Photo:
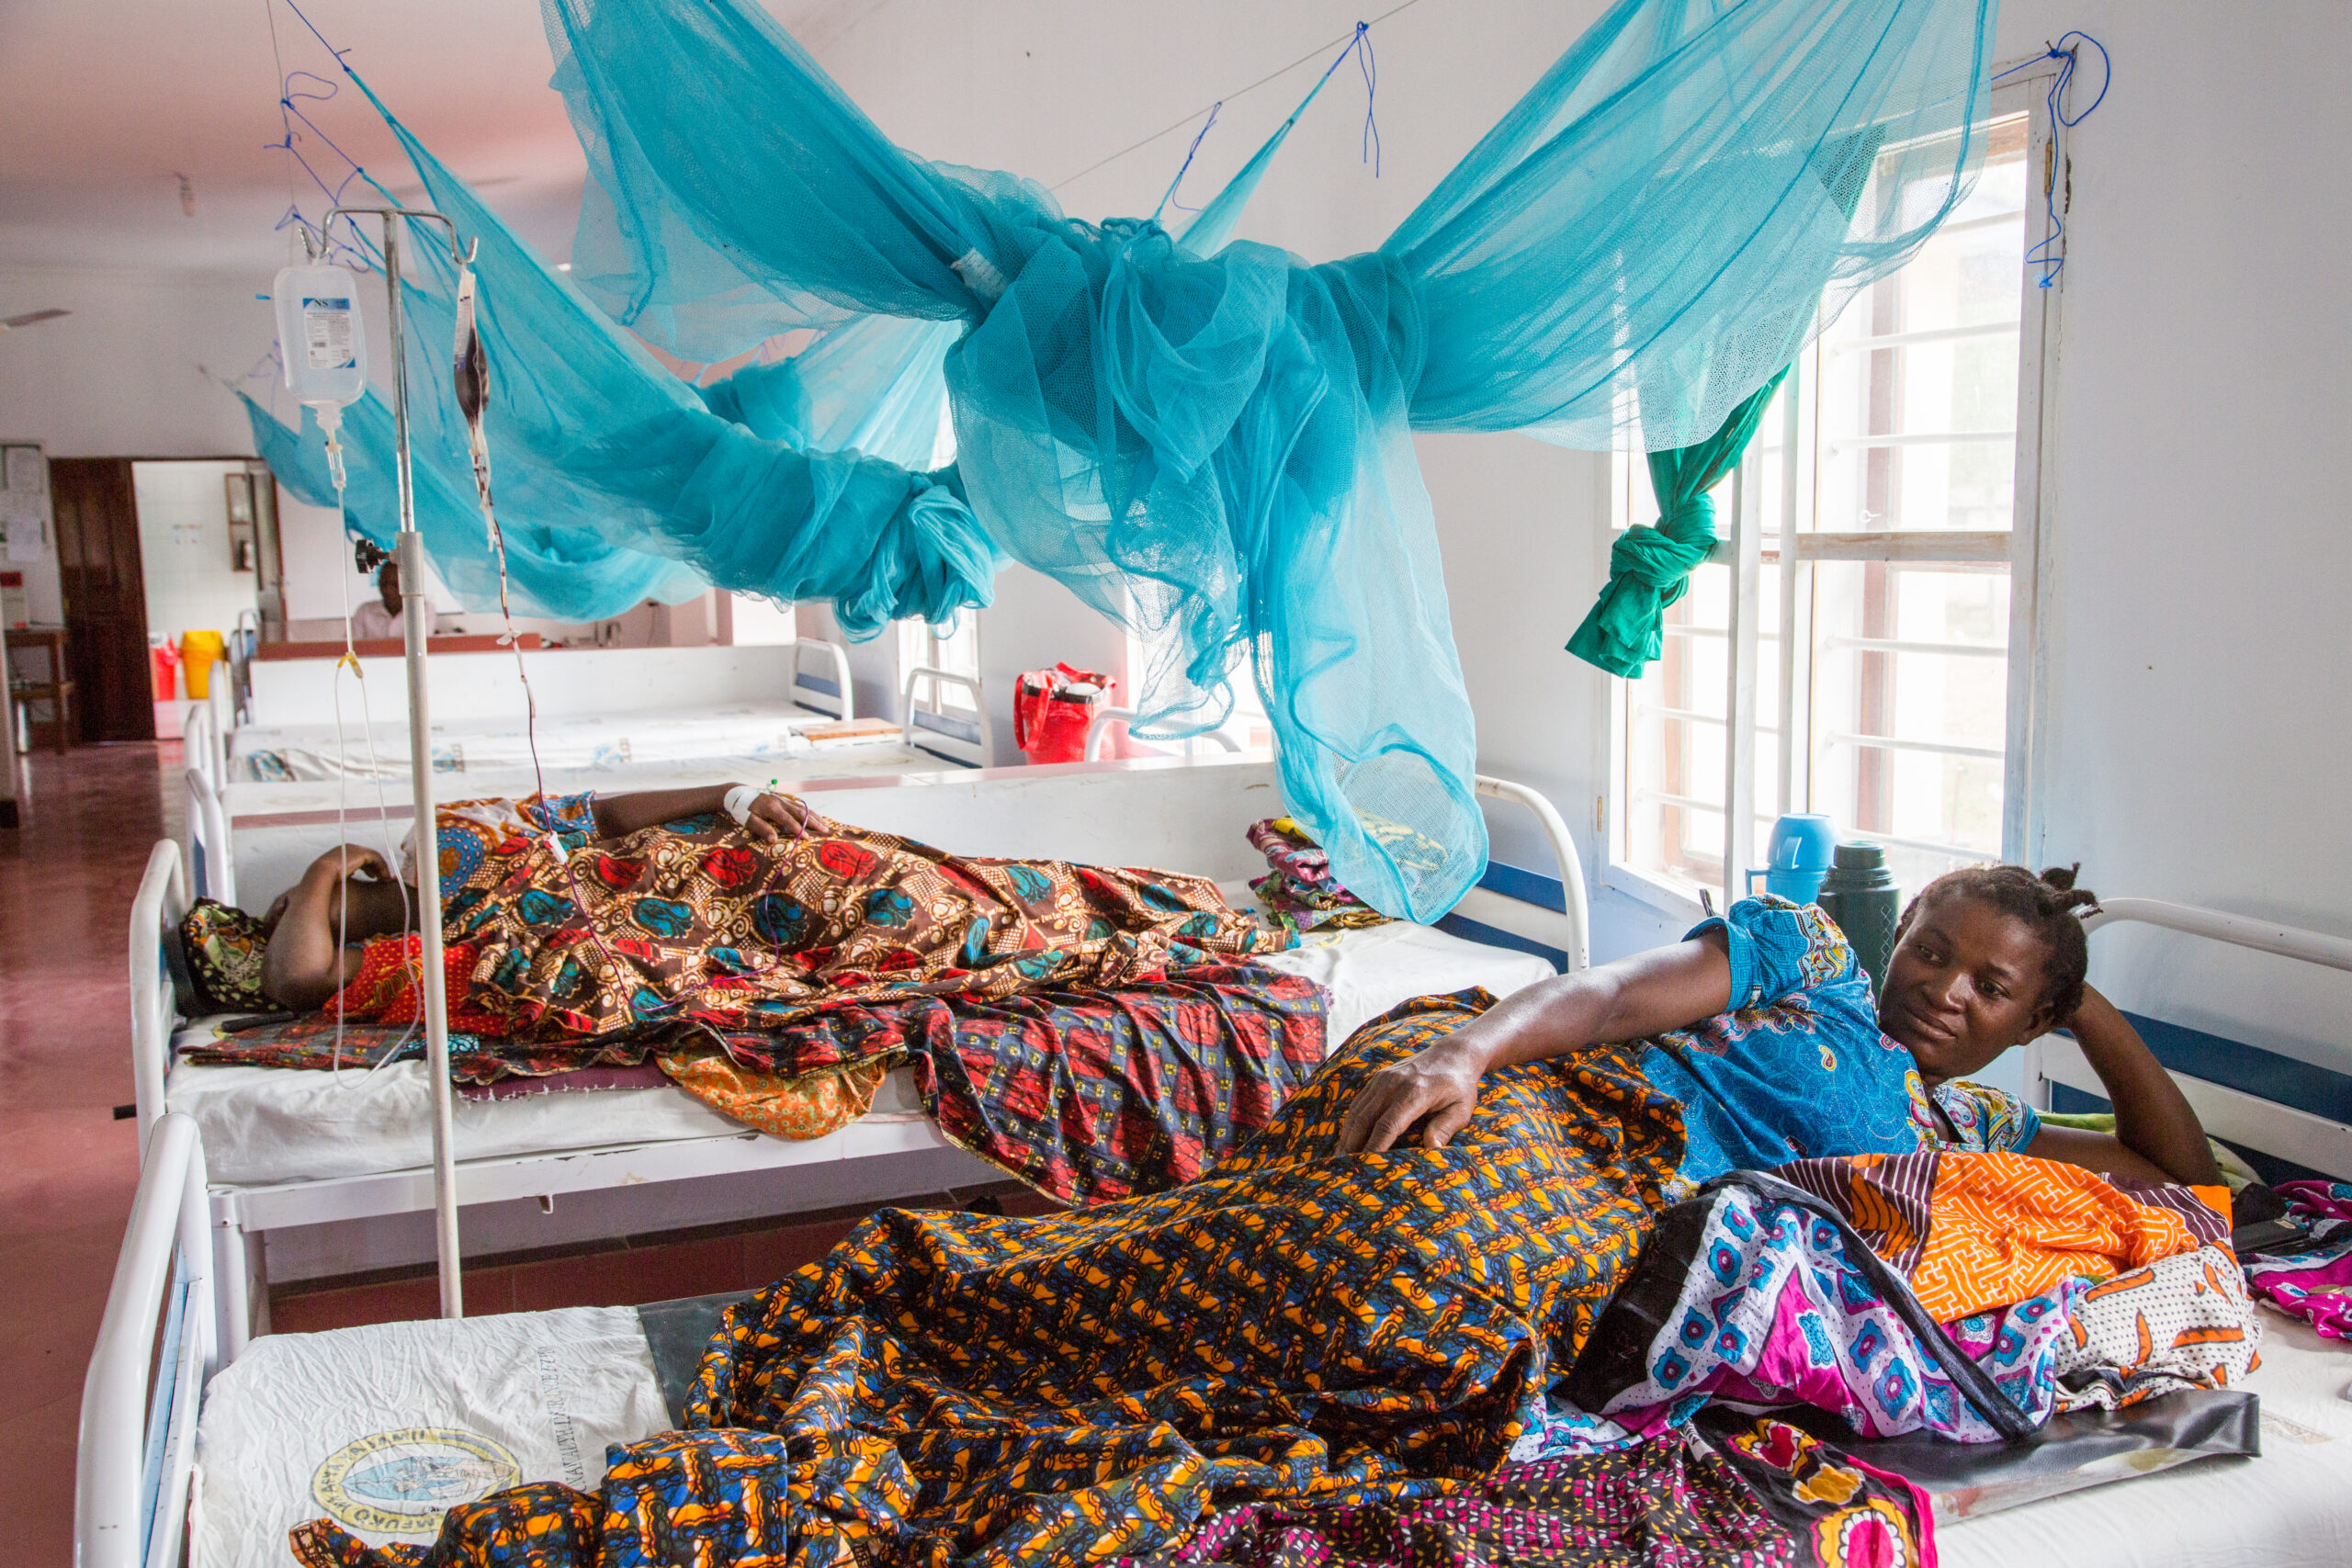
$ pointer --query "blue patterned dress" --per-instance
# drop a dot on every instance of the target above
(1798, 1068)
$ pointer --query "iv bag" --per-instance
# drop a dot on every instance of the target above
(319, 336)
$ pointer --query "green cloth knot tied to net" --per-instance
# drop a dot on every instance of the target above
(1650, 568)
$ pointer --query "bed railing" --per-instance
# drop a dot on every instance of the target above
(844, 702)
(1098, 731)
(1569, 927)
(137, 1449)
(2230, 1114)
(162, 903)
(204, 737)
(211, 851)
(976, 749)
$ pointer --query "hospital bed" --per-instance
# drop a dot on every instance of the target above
(800, 747)
(595, 706)
(293, 1148)
(267, 1429)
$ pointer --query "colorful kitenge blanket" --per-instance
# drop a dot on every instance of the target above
(1299, 888)
(1816, 1290)
(695, 923)
(1294, 1327)
(2314, 1282)
(1085, 1095)
(310, 1042)
(1764, 1495)
(223, 947)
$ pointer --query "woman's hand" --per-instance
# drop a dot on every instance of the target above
(1436, 1089)
(345, 861)
(773, 816)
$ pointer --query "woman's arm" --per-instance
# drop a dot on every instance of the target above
(1633, 998)
(2157, 1136)
(618, 816)
(304, 965)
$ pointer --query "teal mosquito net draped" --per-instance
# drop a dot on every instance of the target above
(1212, 441)
(566, 574)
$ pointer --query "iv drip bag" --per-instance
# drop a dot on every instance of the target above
(319, 336)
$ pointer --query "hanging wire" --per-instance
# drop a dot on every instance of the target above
(2049, 255)
(1350, 39)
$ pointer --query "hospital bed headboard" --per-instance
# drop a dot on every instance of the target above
(204, 737)
(2232, 1115)
(967, 741)
(138, 1437)
(211, 855)
(825, 693)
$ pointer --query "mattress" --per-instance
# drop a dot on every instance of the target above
(755, 734)
(2291, 1508)
(385, 1427)
(263, 1125)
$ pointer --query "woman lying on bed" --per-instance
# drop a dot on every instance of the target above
(584, 916)
(1762, 1026)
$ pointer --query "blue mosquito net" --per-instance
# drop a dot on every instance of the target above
(1209, 440)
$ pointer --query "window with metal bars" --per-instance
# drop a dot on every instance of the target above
(1860, 642)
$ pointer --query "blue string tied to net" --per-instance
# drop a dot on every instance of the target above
(2049, 253)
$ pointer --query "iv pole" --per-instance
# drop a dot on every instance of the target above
(415, 609)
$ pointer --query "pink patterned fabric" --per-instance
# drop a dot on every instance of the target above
(2316, 1285)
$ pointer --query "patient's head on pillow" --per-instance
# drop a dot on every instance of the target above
(1985, 959)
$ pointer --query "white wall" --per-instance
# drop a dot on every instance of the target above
(184, 548)
(2196, 724)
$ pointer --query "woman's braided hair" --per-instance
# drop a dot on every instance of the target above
(2046, 903)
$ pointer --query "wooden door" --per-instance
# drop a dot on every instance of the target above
(106, 596)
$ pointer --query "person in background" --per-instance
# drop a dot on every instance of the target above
(380, 618)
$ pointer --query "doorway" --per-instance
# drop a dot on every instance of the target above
(96, 517)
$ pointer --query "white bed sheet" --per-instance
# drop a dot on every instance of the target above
(753, 732)
(2291, 1508)
(269, 1124)
(383, 1427)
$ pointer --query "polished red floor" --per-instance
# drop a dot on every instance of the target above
(67, 876)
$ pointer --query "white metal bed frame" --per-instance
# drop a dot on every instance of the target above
(208, 841)
(2230, 1114)
(137, 1454)
(240, 1213)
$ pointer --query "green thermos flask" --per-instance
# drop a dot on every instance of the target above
(1860, 896)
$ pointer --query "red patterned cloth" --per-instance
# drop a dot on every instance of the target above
(1085, 1095)
(697, 923)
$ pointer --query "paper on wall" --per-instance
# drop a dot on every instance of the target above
(26, 471)
(25, 516)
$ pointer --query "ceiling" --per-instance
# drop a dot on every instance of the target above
(105, 104)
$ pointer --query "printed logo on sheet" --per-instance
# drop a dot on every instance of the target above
(399, 1481)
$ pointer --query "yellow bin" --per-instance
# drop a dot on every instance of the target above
(198, 651)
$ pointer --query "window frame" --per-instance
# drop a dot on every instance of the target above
(921, 645)
(2023, 547)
